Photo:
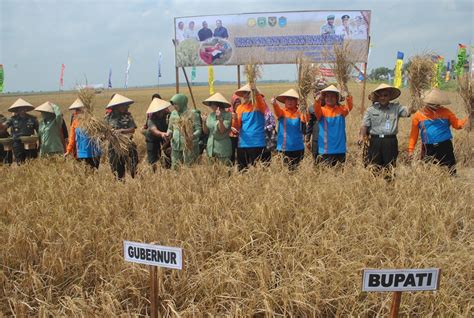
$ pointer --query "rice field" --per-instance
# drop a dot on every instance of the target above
(263, 243)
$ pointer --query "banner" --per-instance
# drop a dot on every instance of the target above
(129, 62)
(1, 78)
(110, 78)
(270, 38)
(210, 71)
(61, 77)
(461, 60)
(397, 82)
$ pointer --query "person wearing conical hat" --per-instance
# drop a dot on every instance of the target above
(380, 123)
(80, 145)
(119, 118)
(218, 126)
(331, 116)
(250, 125)
(434, 121)
(291, 128)
(50, 131)
(184, 144)
(158, 114)
(22, 124)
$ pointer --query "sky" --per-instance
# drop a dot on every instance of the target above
(90, 37)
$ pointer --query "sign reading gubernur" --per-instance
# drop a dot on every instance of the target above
(392, 280)
(154, 255)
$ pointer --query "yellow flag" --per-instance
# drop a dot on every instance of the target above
(210, 70)
(397, 82)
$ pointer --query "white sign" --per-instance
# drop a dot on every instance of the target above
(388, 280)
(155, 255)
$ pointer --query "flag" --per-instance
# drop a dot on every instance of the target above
(1, 78)
(61, 77)
(211, 79)
(129, 62)
(389, 77)
(397, 82)
(110, 78)
(160, 58)
(193, 74)
(461, 60)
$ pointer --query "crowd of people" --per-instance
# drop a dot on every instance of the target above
(242, 132)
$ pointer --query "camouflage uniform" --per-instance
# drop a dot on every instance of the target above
(20, 127)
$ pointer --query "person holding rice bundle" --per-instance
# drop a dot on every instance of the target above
(185, 130)
(122, 122)
(156, 128)
(331, 116)
(291, 128)
(433, 121)
(380, 122)
(217, 125)
(80, 145)
(22, 125)
(250, 124)
(51, 134)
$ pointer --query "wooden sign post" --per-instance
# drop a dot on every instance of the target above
(399, 280)
(155, 256)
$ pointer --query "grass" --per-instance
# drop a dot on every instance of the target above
(264, 243)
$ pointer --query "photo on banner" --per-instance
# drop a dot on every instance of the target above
(270, 38)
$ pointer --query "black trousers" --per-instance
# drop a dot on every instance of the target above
(292, 158)
(332, 160)
(153, 152)
(249, 156)
(235, 143)
(441, 153)
(21, 154)
(382, 152)
(6, 156)
(119, 164)
(92, 162)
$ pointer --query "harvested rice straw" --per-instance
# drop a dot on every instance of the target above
(98, 130)
(253, 71)
(306, 79)
(186, 128)
(466, 93)
(420, 77)
(342, 67)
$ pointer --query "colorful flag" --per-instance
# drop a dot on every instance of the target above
(110, 78)
(461, 60)
(160, 58)
(61, 77)
(211, 79)
(1, 78)
(397, 82)
(129, 62)
(193, 74)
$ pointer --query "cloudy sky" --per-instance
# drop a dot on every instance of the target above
(89, 37)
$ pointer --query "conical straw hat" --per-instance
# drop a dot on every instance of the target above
(19, 104)
(76, 105)
(289, 93)
(156, 105)
(394, 92)
(244, 90)
(119, 100)
(332, 88)
(45, 107)
(217, 98)
(436, 97)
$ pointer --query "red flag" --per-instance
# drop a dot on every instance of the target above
(61, 78)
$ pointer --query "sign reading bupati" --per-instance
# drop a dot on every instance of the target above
(387, 280)
(270, 38)
(155, 255)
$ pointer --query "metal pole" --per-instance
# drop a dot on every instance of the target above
(238, 76)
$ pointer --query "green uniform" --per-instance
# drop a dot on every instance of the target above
(219, 144)
(328, 29)
(122, 121)
(22, 126)
(179, 153)
(51, 133)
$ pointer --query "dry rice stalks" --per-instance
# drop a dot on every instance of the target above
(253, 72)
(342, 66)
(420, 75)
(306, 79)
(466, 93)
(186, 129)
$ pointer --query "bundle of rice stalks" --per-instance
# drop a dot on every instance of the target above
(466, 93)
(98, 130)
(185, 126)
(253, 71)
(420, 76)
(342, 67)
(306, 79)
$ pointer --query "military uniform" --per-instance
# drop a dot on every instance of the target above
(122, 121)
(6, 156)
(155, 143)
(22, 126)
(328, 29)
(219, 145)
